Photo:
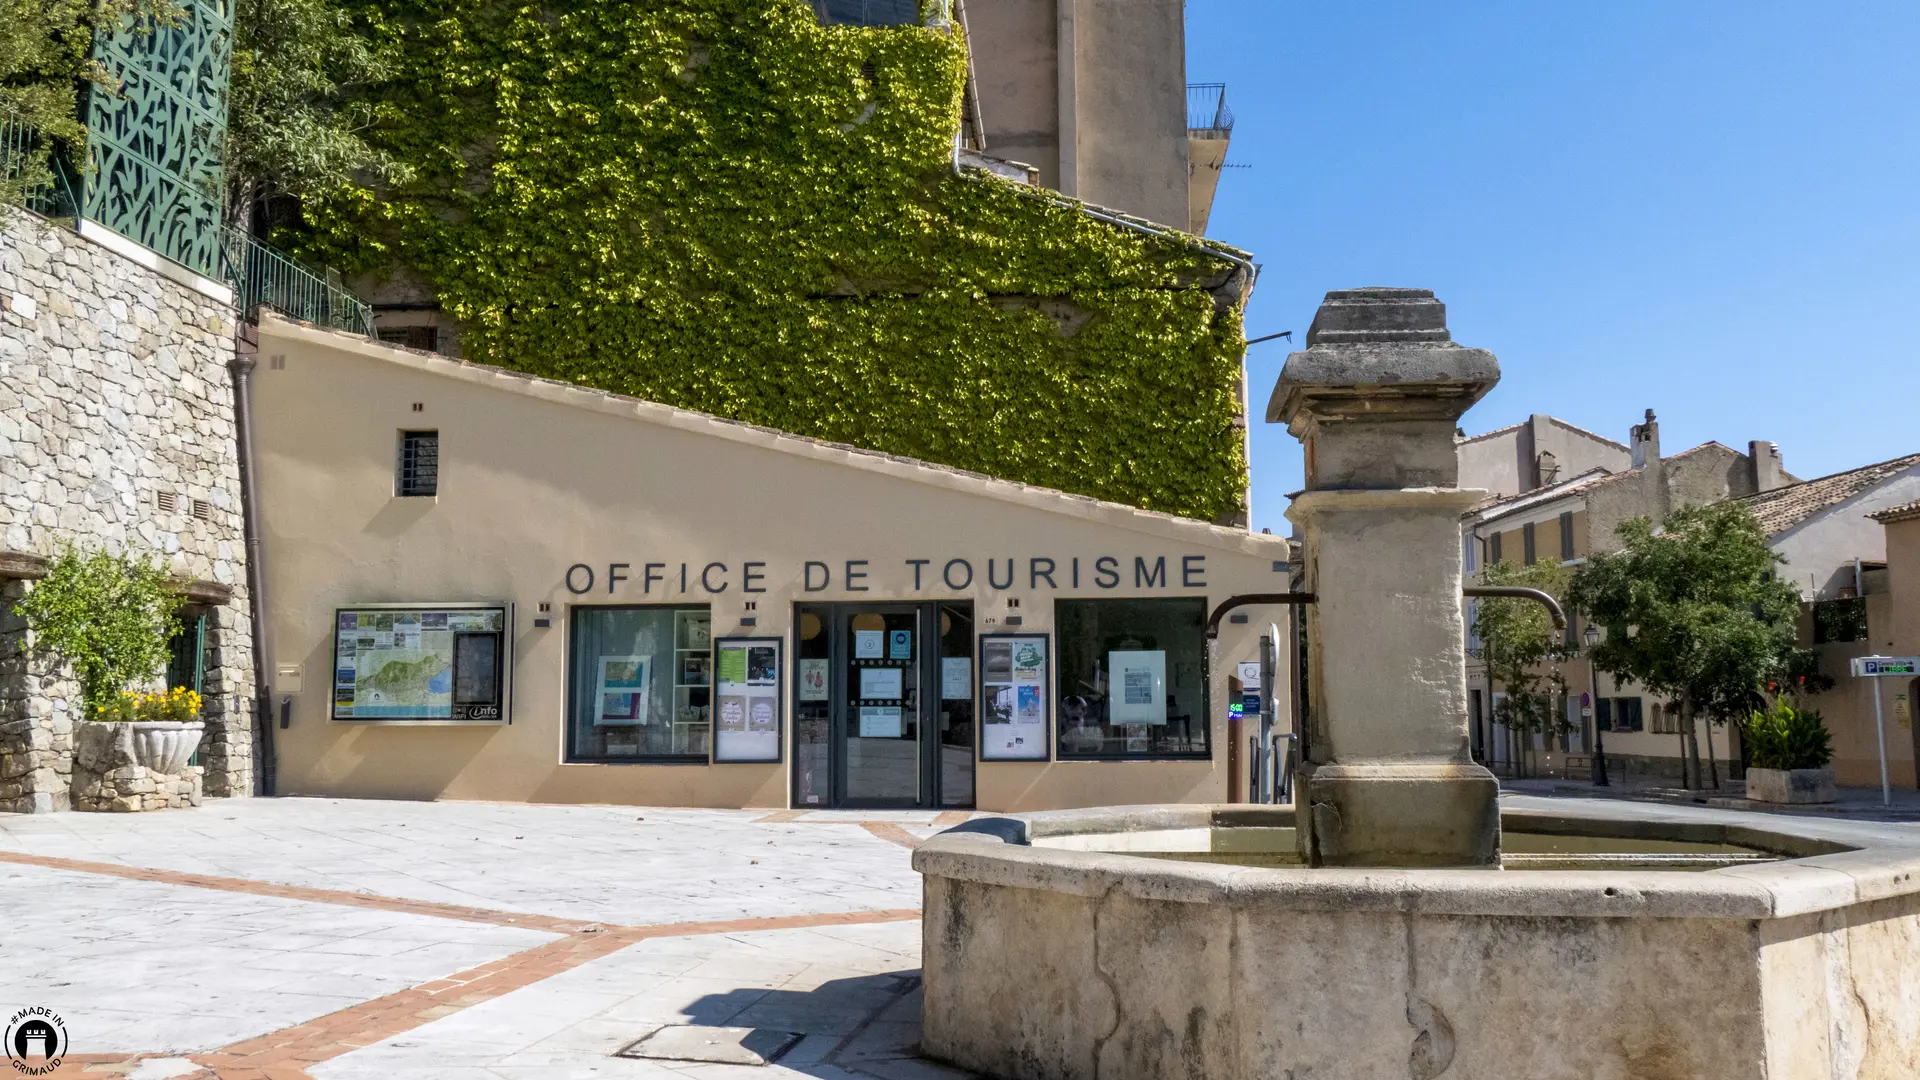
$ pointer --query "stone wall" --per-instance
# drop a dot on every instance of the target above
(116, 430)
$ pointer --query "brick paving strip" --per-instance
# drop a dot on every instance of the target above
(285, 1054)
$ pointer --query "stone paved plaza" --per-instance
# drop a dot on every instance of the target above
(288, 938)
(359, 940)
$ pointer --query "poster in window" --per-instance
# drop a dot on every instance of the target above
(869, 644)
(428, 663)
(813, 680)
(881, 722)
(899, 644)
(1014, 697)
(881, 684)
(1137, 687)
(621, 691)
(747, 699)
(956, 678)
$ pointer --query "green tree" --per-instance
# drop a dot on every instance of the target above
(45, 62)
(1693, 611)
(109, 616)
(1522, 650)
(294, 118)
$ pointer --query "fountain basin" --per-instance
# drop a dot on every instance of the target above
(1047, 956)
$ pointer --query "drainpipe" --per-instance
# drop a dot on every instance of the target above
(246, 344)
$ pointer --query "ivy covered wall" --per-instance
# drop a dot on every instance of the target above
(723, 205)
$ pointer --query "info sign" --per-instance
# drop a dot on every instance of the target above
(1881, 667)
(1884, 667)
(421, 663)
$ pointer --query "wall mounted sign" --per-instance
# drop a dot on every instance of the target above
(1016, 706)
(953, 575)
(747, 724)
(421, 663)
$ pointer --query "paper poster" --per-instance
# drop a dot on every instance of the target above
(1137, 687)
(883, 684)
(747, 699)
(881, 722)
(1013, 694)
(813, 680)
(763, 664)
(956, 678)
(621, 691)
(899, 644)
(869, 644)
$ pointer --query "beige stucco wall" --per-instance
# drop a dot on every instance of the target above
(1093, 93)
(536, 477)
(1015, 53)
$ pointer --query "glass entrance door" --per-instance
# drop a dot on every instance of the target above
(879, 737)
(883, 717)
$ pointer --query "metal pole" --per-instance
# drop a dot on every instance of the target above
(1880, 730)
(1599, 737)
(1269, 655)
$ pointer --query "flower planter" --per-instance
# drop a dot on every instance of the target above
(1792, 786)
(135, 765)
(165, 745)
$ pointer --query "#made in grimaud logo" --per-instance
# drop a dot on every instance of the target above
(36, 1040)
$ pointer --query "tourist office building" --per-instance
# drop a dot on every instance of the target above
(483, 585)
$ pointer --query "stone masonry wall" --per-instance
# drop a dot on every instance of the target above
(114, 391)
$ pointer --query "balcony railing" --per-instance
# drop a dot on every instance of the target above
(1207, 112)
(259, 275)
(263, 277)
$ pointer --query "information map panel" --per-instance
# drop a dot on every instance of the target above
(426, 663)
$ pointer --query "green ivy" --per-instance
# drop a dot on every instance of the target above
(725, 206)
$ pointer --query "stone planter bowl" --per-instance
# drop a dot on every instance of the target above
(164, 746)
(1794, 786)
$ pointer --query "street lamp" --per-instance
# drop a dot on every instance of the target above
(1592, 636)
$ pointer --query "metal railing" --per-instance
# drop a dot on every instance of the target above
(1207, 109)
(259, 275)
(262, 277)
(21, 150)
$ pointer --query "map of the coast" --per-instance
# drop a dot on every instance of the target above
(398, 664)
(403, 681)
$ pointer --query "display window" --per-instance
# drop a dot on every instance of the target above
(1132, 678)
(640, 684)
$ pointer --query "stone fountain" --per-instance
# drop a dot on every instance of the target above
(1398, 924)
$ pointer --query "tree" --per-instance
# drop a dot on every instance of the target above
(109, 616)
(1694, 611)
(46, 60)
(294, 117)
(1517, 639)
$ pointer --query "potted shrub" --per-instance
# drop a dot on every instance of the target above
(1789, 749)
(109, 617)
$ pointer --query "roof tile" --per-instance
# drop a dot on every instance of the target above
(1783, 508)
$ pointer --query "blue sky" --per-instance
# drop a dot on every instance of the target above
(1709, 209)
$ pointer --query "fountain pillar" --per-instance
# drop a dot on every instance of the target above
(1386, 778)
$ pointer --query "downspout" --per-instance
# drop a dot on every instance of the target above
(246, 344)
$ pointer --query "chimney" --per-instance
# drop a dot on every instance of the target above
(1546, 469)
(1767, 471)
(1645, 441)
